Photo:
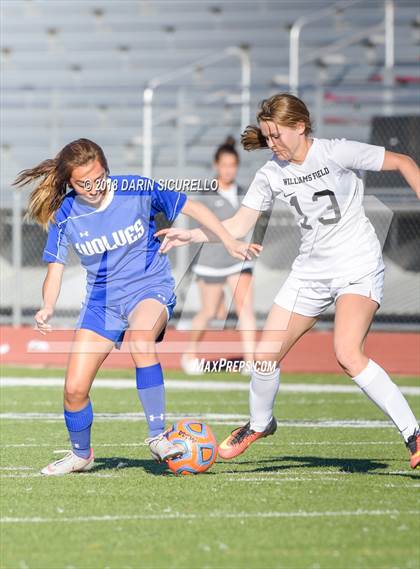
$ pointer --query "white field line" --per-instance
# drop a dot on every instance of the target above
(39, 475)
(272, 477)
(49, 445)
(343, 474)
(285, 479)
(23, 472)
(255, 480)
(193, 385)
(215, 418)
(330, 443)
(115, 475)
(13, 468)
(413, 485)
(264, 443)
(210, 515)
(281, 473)
(404, 472)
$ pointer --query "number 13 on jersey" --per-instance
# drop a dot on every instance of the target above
(331, 220)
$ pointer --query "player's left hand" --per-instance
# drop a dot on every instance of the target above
(41, 319)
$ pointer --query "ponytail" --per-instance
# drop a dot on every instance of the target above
(55, 175)
(46, 198)
(252, 138)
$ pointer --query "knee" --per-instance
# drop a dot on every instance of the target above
(266, 353)
(143, 345)
(264, 361)
(349, 358)
(75, 393)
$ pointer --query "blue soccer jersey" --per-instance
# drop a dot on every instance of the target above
(115, 242)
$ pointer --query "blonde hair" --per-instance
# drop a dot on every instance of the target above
(283, 109)
(55, 174)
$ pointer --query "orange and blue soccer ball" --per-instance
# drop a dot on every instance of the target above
(199, 443)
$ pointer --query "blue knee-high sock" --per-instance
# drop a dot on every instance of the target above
(78, 424)
(151, 391)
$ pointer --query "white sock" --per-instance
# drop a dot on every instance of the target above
(262, 394)
(378, 386)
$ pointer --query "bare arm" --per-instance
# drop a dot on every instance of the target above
(50, 291)
(406, 166)
(206, 217)
(214, 230)
(239, 225)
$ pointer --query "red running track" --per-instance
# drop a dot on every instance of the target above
(398, 353)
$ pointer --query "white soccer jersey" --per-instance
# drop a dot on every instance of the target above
(325, 194)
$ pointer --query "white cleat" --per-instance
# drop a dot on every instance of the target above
(70, 463)
(162, 449)
(189, 366)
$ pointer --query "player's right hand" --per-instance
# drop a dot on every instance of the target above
(41, 319)
(173, 237)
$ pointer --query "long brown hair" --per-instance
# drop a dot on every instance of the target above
(55, 174)
(282, 109)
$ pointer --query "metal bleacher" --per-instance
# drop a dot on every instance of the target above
(72, 69)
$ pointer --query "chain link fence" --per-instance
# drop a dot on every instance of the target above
(389, 203)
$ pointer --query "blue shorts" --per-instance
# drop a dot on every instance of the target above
(112, 321)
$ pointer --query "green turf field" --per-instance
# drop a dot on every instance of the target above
(316, 495)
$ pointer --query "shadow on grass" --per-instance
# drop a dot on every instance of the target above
(351, 465)
(266, 465)
(348, 465)
(148, 465)
(122, 463)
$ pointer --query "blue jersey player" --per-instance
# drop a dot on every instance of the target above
(109, 221)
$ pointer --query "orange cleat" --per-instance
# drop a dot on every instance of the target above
(242, 437)
(413, 445)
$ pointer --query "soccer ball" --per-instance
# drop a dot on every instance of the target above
(200, 447)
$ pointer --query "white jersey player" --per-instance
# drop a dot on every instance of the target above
(339, 260)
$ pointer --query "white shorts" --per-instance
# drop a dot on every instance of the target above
(313, 297)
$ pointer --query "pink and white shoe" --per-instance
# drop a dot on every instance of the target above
(70, 463)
